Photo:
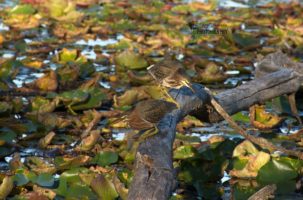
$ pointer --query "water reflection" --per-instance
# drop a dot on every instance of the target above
(97, 42)
(89, 54)
(232, 72)
(8, 54)
(119, 136)
(26, 78)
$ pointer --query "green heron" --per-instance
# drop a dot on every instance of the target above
(146, 115)
(169, 73)
(275, 62)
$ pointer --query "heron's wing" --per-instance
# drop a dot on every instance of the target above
(159, 71)
(156, 109)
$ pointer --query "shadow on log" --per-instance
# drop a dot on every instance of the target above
(154, 177)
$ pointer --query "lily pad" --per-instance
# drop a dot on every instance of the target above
(9, 69)
(96, 97)
(277, 171)
(20, 179)
(130, 60)
(70, 162)
(70, 55)
(104, 188)
(245, 40)
(45, 180)
(73, 96)
(42, 104)
(184, 152)
(23, 9)
(7, 135)
(105, 158)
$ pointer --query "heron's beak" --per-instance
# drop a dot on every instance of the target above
(151, 66)
(187, 84)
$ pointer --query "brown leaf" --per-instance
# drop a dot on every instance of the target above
(48, 82)
(43, 142)
(262, 119)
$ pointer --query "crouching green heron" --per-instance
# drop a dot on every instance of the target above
(169, 73)
(146, 115)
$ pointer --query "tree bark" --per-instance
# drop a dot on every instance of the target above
(154, 177)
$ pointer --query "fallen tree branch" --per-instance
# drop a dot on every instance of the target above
(154, 174)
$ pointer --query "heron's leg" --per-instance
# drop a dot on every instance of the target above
(69, 108)
(293, 106)
(170, 98)
(148, 133)
(188, 84)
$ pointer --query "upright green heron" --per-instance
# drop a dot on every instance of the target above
(169, 73)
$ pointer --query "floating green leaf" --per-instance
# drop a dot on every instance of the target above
(25, 9)
(96, 97)
(131, 60)
(45, 180)
(184, 152)
(104, 188)
(105, 158)
(277, 171)
(20, 179)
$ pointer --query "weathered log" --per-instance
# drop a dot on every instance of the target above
(282, 82)
(154, 174)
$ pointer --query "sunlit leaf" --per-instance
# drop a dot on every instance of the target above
(6, 186)
(130, 60)
(89, 142)
(262, 119)
(69, 162)
(253, 165)
(39, 165)
(23, 9)
(48, 82)
(43, 142)
(42, 104)
(184, 152)
(68, 55)
(246, 148)
(104, 188)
